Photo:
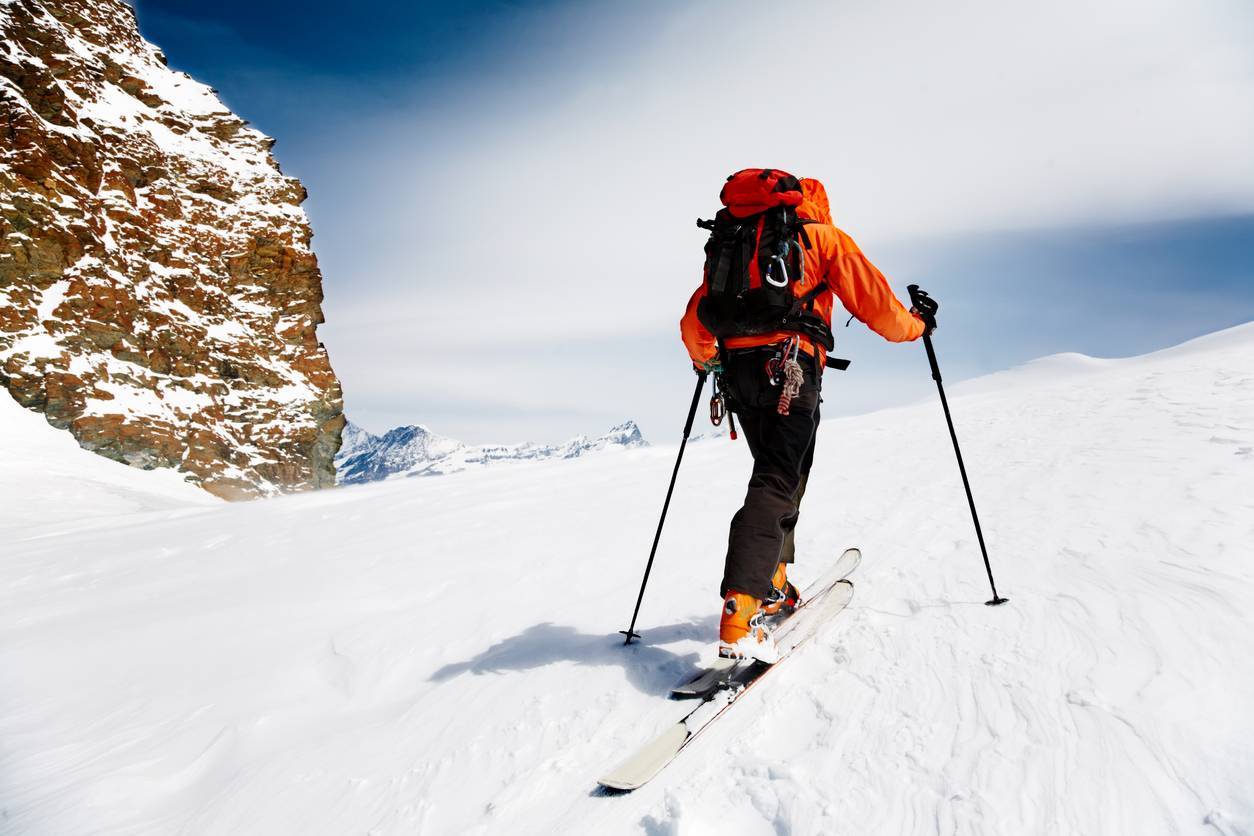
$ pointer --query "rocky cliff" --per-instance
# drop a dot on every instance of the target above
(158, 295)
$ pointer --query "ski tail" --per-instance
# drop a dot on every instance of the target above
(640, 767)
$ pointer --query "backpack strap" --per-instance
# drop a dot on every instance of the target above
(807, 299)
(718, 279)
(812, 326)
(802, 318)
(727, 237)
(800, 224)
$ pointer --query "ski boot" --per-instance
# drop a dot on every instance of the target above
(783, 597)
(742, 632)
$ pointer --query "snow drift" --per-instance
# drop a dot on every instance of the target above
(441, 655)
(47, 481)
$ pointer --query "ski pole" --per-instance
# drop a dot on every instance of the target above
(924, 303)
(630, 632)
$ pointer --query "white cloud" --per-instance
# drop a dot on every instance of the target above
(558, 212)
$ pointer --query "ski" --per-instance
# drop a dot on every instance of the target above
(710, 679)
(646, 762)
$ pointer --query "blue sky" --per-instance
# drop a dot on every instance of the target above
(502, 194)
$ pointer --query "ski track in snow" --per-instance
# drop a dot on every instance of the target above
(441, 656)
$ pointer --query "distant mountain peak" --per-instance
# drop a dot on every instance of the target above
(415, 450)
(627, 430)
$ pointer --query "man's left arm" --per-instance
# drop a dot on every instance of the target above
(701, 344)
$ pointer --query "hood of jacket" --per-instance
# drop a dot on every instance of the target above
(814, 204)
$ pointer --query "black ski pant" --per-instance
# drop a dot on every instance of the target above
(783, 450)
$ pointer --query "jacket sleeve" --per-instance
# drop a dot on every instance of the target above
(701, 344)
(866, 294)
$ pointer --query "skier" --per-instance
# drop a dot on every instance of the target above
(761, 323)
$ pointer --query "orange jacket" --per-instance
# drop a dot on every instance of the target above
(835, 259)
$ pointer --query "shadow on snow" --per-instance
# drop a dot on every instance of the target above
(649, 667)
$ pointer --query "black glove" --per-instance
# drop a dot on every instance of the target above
(924, 307)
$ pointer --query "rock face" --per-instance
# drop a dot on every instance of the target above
(158, 295)
(416, 451)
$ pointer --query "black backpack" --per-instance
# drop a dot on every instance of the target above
(754, 263)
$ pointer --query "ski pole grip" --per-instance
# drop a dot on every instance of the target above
(923, 305)
(922, 302)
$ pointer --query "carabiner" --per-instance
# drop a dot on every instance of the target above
(718, 406)
(783, 268)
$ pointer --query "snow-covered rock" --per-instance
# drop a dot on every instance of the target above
(417, 451)
(441, 656)
(158, 295)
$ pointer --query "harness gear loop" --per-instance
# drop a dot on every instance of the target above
(719, 409)
(776, 365)
(718, 406)
(791, 374)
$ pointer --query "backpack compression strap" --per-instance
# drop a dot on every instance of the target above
(742, 234)
(802, 319)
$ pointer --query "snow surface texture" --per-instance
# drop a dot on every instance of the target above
(416, 451)
(48, 482)
(440, 655)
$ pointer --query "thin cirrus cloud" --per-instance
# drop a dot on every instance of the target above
(498, 230)
(923, 118)
(559, 212)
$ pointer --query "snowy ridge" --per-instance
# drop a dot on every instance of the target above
(441, 656)
(417, 451)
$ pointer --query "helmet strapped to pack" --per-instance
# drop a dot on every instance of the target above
(755, 280)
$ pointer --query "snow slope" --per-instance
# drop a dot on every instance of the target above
(441, 655)
(47, 479)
